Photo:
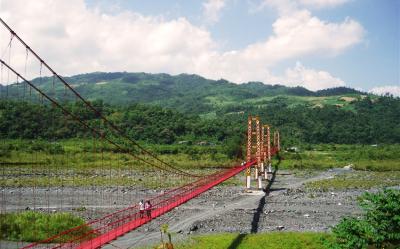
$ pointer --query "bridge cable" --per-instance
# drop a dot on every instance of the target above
(114, 127)
(99, 133)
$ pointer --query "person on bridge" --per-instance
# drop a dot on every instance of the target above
(147, 207)
(141, 208)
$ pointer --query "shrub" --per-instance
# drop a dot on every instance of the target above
(378, 228)
(55, 148)
(31, 226)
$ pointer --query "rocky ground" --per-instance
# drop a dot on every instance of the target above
(285, 206)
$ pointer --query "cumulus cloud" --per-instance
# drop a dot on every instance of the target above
(212, 9)
(301, 33)
(84, 39)
(309, 78)
(394, 90)
(294, 37)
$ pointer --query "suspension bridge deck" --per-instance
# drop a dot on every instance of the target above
(110, 227)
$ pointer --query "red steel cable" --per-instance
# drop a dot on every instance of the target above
(76, 118)
(114, 127)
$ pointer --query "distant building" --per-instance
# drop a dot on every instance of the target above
(293, 149)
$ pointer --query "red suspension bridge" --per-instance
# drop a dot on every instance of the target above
(16, 81)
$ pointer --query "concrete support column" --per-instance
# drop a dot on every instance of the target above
(248, 178)
(259, 182)
(269, 175)
(248, 182)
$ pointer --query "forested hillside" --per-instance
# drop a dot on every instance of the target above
(185, 93)
(371, 121)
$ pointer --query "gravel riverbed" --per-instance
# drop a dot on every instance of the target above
(286, 206)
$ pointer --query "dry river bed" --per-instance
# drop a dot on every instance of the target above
(286, 206)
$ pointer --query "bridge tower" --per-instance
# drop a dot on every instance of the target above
(263, 150)
(254, 149)
(267, 153)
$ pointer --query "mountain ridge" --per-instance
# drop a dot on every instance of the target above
(297, 90)
(184, 92)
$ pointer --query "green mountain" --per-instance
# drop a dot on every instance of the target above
(186, 93)
(205, 110)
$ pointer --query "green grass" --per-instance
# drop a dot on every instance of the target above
(357, 180)
(303, 100)
(20, 159)
(361, 157)
(30, 226)
(75, 162)
(272, 240)
(82, 153)
(376, 166)
(219, 101)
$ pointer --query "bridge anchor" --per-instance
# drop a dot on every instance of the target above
(248, 178)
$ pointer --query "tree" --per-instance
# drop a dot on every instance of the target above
(233, 148)
(167, 245)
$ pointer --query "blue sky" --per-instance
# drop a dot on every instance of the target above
(312, 43)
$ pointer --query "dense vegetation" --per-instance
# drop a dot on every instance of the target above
(371, 121)
(378, 228)
(185, 93)
(31, 226)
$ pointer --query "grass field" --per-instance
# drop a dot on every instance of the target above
(85, 153)
(344, 102)
(80, 162)
(360, 157)
(33, 226)
(357, 180)
(375, 166)
(273, 240)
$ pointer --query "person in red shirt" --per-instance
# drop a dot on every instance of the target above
(147, 207)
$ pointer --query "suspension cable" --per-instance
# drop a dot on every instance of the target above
(114, 127)
(99, 133)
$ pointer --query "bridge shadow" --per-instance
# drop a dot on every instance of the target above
(257, 215)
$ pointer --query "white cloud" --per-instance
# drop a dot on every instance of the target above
(85, 40)
(212, 9)
(301, 33)
(294, 37)
(309, 78)
(382, 90)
